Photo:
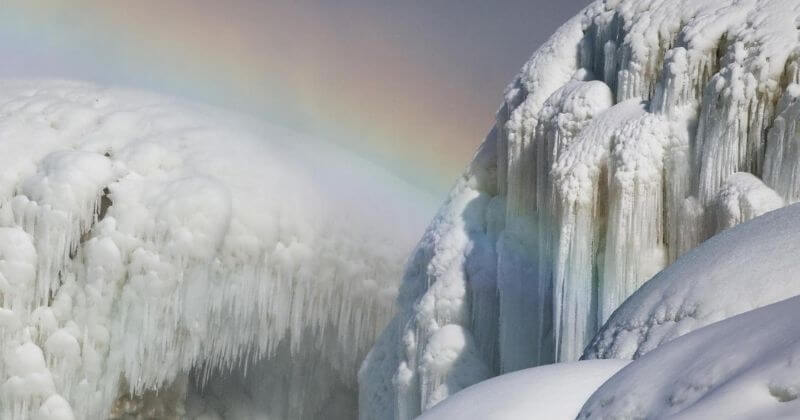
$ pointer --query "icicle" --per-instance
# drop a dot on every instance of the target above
(782, 162)
(731, 136)
(580, 177)
(635, 238)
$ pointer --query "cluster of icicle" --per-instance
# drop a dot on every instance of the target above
(143, 241)
(639, 130)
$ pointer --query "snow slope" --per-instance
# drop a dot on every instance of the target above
(744, 367)
(149, 246)
(555, 392)
(708, 339)
(638, 131)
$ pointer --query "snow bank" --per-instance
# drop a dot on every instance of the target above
(144, 240)
(638, 131)
(555, 392)
(744, 367)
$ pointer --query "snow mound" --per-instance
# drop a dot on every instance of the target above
(144, 241)
(749, 266)
(744, 367)
(554, 392)
(640, 129)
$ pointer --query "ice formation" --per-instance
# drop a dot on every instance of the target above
(150, 248)
(638, 131)
(744, 268)
(556, 391)
(744, 367)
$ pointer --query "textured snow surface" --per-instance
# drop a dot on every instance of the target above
(744, 367)
(749, 266)
(554, 392)
(150, 245)
(638, 131)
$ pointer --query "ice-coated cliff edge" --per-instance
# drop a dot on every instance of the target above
(638, 131)
(149, 247)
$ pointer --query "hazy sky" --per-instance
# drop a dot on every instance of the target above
(412, 84)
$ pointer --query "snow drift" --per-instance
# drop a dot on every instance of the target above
(744, 367)
(638, 131)
(556, 391)
(150, 247)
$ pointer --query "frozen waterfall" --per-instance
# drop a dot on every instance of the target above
(151, 250)
(639, 130)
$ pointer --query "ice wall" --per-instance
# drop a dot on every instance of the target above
(741, 269)
(150, 247)
(638, 131)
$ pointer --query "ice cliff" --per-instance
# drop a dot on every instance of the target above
(635, 133)
(152, 251)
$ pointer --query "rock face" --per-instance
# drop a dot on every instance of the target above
(149, 246)
(639, 130)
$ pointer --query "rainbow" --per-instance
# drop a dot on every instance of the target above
(270, 60)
